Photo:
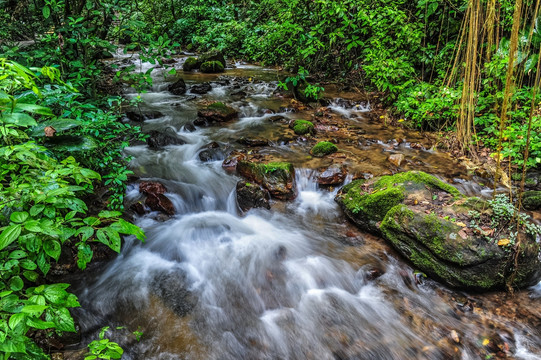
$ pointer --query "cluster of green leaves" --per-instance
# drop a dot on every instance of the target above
(104, 348)
(41, 210)
(300, 82)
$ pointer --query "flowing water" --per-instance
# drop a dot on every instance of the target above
(295, 282)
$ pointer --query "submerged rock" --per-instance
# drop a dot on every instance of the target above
(218, 112)
(414, 211)
(172, 287)
(277, 177)
(334, 175)
(251, 196)
(177, 88)
(160, 202)
(201, 89)
(139, 116)
(211, 152)
(158, 139)
(152, 188)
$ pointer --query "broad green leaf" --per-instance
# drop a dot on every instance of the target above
(19, 119)
(109, 214)
(34, 109)
(17, 254)
(58, 124)
(9, 235)
(56, 293)
(16, 283)
(84, 256)
(72, 143)
(91, 221)
(124, 227)
(52, 248)
(34, 310)
(36, 209)
(16, 319)
(86, 232)
(46, 11)
(62, 318)
(39, 324)
(19, 216)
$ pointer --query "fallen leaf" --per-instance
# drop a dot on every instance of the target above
(486, 342)
(503, 242)
(49, 131)
(463, 234)
(461, 224)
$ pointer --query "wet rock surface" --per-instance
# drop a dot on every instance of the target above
(177, 88)
(159, 139)
(251, 196)
(201, 89)
(218, 112)
(277, 178)
(333, 175)
(413, 211)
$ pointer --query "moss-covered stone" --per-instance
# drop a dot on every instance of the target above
(367, 202)
(323, 148)
(277, 177)
(211, 56)
(435, 246)
(532, 200)
(302, 127)
(190, 64)
(211, 67)
(218, 112)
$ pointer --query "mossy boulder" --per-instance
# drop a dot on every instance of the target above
(532, 200)
(190, 64)
(366, 202)
(323, 148)
(302, 127)
(210, 57)
(441, 249)
(218, 112)
(277, 177)
(211, 67)
(425, 220)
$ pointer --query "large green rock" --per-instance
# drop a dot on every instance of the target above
(417, 213)
(277, 177)
(366, 202)
(437, 247)
(210, 56)
(211, 67)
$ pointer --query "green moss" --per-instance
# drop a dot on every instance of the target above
(532, 200)
(323, 148)
(210, 67)
(276, 166)
(303, 127)
(415, 179)
(190, 64)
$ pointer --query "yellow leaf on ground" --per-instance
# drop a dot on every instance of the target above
(461, 224)
(503, 242)
(486, 342)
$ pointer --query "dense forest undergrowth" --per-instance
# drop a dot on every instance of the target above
(471, 68)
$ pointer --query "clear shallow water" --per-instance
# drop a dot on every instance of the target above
(296, 282)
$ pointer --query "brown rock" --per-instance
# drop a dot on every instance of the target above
(396, 159)
(252, 196)
(231, 162)
(334, 175)
(152, 188)
(160, 203)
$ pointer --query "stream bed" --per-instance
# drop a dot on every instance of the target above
(296, 281)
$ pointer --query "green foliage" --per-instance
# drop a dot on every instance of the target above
(309, 92)
(104, 348)
(41, 210)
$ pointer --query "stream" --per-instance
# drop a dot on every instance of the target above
(297, 281)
